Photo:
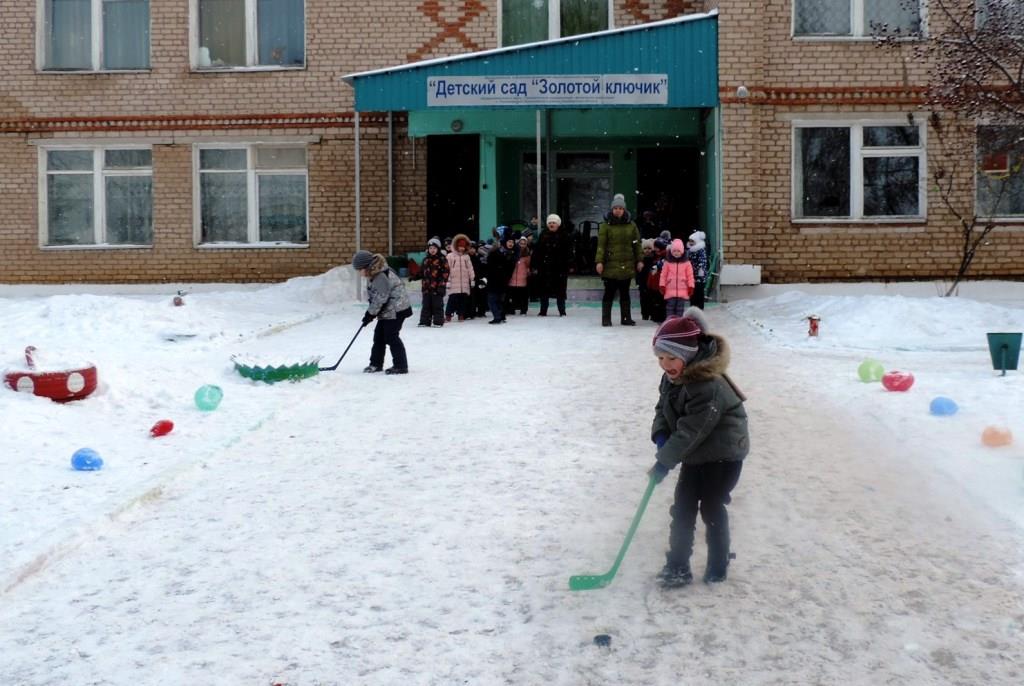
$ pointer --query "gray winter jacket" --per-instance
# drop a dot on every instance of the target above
(702, 411)
(385, 290)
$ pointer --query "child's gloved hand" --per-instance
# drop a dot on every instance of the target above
(367, 318)
(658, 472)
(660, 438)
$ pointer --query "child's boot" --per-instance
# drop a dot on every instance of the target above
(718, 554)
(675, 574)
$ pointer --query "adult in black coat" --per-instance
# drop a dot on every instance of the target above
(551, 261)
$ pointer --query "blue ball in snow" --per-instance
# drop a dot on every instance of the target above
(86, 460)
(943, 407)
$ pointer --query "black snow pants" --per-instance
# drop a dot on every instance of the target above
(707, 487)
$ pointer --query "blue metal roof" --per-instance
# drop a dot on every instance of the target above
(685, 49)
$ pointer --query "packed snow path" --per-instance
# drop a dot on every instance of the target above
(422, 529)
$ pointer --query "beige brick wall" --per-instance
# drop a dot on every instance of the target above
(786, 79)
(791, 79)
(171, 100)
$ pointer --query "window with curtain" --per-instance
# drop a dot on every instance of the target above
(253, 194)
(1000, 174)
(855, 18)
(100, 196)
(251, 33)
(529, 21)
(858, 172)
(119, 41)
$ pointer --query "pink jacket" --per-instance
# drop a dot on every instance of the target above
(460, 273)
(676, 279)
(521, 273)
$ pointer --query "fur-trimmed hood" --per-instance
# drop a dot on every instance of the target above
(378, 265)
(713, 357)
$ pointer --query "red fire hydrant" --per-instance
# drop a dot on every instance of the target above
(812, 328)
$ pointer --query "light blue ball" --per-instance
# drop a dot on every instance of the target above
(208, 397)
(943, 407)
(86, 460)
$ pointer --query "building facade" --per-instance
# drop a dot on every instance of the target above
(213, 140)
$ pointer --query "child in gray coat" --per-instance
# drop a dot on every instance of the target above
(389, 305)
(699, 422)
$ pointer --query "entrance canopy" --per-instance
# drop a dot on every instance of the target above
(667, 64)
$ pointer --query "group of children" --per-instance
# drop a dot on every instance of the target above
(475, 278)
(673, 277)
(699, 421)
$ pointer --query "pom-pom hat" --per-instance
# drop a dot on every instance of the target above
(619, 200)
(680, 336)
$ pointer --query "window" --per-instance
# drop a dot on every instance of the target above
(252, 194)
(100, 196)
(1000, 176)
(93, 35)
(855, 18)
(250, 33)
(858, 172)
(1006, 16)
(529, 21)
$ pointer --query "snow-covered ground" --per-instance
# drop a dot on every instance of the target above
(364, 529)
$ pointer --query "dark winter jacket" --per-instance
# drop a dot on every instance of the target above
(699, 262)
(500, 264)
(618, 247)
(702, 411)
(434, 272)
(385, 291)
(551, 260)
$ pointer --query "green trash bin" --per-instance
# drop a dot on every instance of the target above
(1005, 350)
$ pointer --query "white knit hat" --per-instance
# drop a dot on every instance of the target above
(554, 218)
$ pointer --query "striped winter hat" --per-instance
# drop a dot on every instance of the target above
(680, 336)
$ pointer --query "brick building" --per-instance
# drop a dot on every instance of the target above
(210, 140)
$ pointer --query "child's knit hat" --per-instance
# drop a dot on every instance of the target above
(554, 219)
(680, 336)
(677, 245)
(362, 259)
(435, 241)
(618, 200)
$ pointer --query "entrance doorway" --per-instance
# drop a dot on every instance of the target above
(668, 191)
(453, 174)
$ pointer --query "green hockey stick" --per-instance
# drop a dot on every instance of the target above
(588, 582)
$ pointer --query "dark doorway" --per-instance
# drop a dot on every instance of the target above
(669, 191)
(453, 177)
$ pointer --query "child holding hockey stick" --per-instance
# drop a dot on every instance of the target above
(699, 422)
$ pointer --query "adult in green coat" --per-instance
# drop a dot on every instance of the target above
(618, 259)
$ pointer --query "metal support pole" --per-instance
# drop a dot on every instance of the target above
(391, 187)
(359, 224)
(540, 169)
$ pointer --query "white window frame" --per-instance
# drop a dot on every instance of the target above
(858, 153)
(99, 174)
(554, 20)
(251, 47)
(96, 37)
(252, 193)
(999, 218)
(858, 29)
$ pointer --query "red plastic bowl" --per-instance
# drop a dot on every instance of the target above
(897, 381)
(61, 386)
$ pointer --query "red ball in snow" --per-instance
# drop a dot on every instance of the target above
(161, 428)
(897, 381)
